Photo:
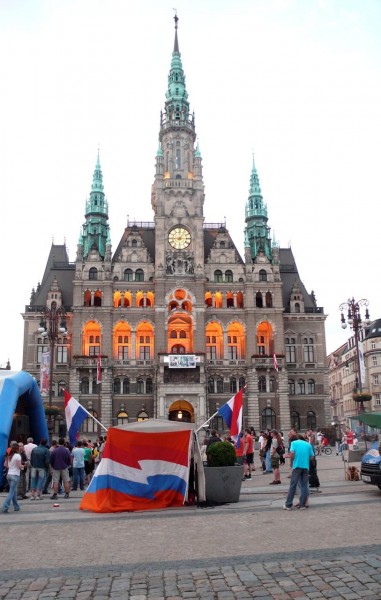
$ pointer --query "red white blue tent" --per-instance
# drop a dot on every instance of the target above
(18, 386)
(145, 466)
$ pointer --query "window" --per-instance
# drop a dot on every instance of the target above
(229, 276)
(126, 385)
(232, 352)
(116, 386)
(84, 386)
(233, 385)
(144, 352)
(128, 275)
(269, 300)
(218, 276)
(262, 275)
(301, 386)
(93, 273)
(149, 386)
(310, 386)
(258, 300)
(89, 425)
(290, 350)
(210, 385)
(308, 350)
(142, 416)
(377, 398)
(122, 417)
(220, 385)
(374, 361)
(262, 384)
(291, 387)
(40, 351)
(62, 354)
(122, 352)
(295, 420)
(140, 386)
(311, 420)
(139, 275)
(272, 384)
(268, 419)
(241, 383)
(375, 379)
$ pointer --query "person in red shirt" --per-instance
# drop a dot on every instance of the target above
(248, 451)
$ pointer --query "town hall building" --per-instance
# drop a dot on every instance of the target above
(177, 319)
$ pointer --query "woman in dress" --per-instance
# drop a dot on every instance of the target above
(13, 461)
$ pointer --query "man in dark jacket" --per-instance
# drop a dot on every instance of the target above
(60, 460)
(39, 461)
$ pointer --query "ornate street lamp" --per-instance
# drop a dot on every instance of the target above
(354, 320)
(52, 325)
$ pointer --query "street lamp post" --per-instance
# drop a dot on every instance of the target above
(354, 320)
(52, 325)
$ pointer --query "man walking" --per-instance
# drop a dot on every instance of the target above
(301, 453)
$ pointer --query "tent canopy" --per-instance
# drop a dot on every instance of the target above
(145, 465)
(15, 386)
(371, 419)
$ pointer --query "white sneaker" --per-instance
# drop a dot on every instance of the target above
(286, 507)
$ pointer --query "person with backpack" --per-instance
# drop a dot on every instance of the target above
(276, 452)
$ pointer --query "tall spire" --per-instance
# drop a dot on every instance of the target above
(176, 104)
(96, 228)
(257, 232)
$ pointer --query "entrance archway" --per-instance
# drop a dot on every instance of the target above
(181, 411)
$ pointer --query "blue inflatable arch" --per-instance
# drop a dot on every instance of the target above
(15, 386)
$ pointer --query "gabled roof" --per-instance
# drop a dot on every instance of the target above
(57, 267)
(289, 275)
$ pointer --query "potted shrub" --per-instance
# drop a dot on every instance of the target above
(223, 476)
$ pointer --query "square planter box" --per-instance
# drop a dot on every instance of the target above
(223, 484)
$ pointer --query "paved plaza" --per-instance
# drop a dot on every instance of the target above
(252, 549)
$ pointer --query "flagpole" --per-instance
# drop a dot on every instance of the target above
(206, 422)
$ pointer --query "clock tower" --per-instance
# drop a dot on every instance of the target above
(178, 189)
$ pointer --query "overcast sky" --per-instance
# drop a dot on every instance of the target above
(297, 82)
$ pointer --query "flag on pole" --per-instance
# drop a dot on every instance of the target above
(75, 415)
(99, 370)
(231, 412)
(275, 362)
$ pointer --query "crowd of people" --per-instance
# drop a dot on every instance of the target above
(32, 470)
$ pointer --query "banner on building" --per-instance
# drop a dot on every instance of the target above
(45, 372)
(182, 361)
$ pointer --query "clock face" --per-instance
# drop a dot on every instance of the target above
(179, 238)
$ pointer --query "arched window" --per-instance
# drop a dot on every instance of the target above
(295, 420)
(262, 275)
(291, 387)
(139, 275)
(218, 276)
(220, 385)
(149, 386)
(122, 417)
(142, 415)
(140, 386)
(93, 273)
(262, 384)
(87, 298)
(98, 298)
(258, 300)
(233, 385)
(301, 386)
(297, 307)
(272, 384)
(134, 243)
(128, 275)
(89, 425)
(241, 383)
(311, 386)
(229, 276)
(126, 385)
(210, 385)
(84, 386)
(268, 419)
(311, 420)
(117, 386)
(269, 300)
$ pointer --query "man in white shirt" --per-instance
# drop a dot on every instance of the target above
(28, 451)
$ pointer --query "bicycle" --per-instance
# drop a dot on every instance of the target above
(319, 450)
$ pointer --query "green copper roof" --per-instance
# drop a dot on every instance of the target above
(96, 229)
(257, 232)
(197, 152)
(176, 105)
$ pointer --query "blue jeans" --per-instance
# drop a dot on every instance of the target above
(78, 473)
(38, 478)
(298, 476)
(12, 494)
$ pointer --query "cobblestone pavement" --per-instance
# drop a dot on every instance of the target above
(252, 549)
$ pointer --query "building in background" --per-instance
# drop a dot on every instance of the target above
(180, 319)
(343, 376)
